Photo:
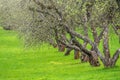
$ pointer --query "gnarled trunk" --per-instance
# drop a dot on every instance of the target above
(76, 54)
(84, 58)
(93, 59)
(61, 47)
(68, 51)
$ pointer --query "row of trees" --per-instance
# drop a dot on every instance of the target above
(73, 24)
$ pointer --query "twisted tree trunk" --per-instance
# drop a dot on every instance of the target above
(106, 50)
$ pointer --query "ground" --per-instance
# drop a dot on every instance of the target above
(46, 63)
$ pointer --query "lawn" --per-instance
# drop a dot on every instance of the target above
(46, 63)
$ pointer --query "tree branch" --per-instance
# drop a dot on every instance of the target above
(101, 35)
(106, 42)
(86, 40)
(69, 45)
(41, 11)
(116, 56)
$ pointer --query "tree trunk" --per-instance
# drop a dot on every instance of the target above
(94, 32)
(112, 61)
(115, 57)
(61, 47)
(76, 54)
(93, 59)
(83, 57)
(106, 50)
(68, 51)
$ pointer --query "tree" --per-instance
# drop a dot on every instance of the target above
(63, 19)
(71, 24)
(12, 14)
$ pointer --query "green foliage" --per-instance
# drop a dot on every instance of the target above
(37, 27)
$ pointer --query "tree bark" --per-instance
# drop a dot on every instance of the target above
(84, 38)
(106, 50)
(94, 32)
(115, 57)
(68, 51)
(83, 57)
(76, 54)
(106, 42)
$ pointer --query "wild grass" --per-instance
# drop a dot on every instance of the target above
(46, 63)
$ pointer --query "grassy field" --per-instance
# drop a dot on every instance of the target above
(46, 63)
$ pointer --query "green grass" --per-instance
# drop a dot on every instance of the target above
(46, 63)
